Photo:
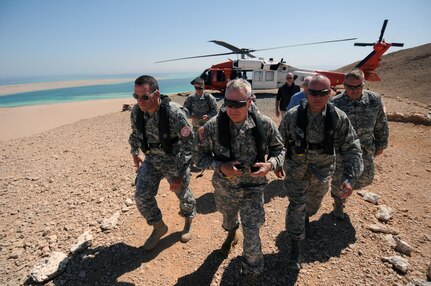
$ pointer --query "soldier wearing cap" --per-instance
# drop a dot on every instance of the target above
(366, 113)
(161, 130)
(311, 133)
(241, 146)
(201, 106)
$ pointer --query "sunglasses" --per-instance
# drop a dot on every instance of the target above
(289, 77)
(323, 92)
(235, 104)
(199, 88)
(143, 97)
(353, 87)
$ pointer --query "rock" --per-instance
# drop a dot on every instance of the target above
(384, 213)
(418, 282)
(84, 241)
(391, 241)
(398, 263)
(402, 246)
(128, 202)
(369, 196)
(429, 272)
(381, 228)
(110, 223)
(49, 267)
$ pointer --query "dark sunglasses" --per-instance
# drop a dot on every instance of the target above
(289, 77)
(143, 97)
(353, 87)
(323, 92)
(235, 104)
(199, 88)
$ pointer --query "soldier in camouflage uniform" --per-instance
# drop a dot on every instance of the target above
(234, 144)
(311, 132)
(366, 113)
(201, 106)
(161, 130)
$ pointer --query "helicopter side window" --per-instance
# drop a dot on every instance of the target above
(269, 76)
(220, 76)
(258, 76)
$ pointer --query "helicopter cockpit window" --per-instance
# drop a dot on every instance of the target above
(269, 76)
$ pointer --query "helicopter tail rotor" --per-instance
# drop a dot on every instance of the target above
(382, 32)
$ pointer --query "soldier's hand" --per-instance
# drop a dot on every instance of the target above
(378, 152)
(264, 168)
(277, 113)
(175, 184)
(137, 161)
(279, 172)
(346, 190)
(205, 117)
(229, 170)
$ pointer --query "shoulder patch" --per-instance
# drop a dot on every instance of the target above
(186, 131)
(201, 133)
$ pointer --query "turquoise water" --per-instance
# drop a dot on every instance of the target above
(168, 83)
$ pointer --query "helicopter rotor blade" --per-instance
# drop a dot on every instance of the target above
(195, 57)
(397, 44)
(226, 45)
(363, 44)
(305, 44)
(383, 30)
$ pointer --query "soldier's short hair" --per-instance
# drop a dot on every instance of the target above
(239, 83)
(147, 79)
(355, 74)
(198, 80)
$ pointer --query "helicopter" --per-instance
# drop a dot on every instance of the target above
(270, 74)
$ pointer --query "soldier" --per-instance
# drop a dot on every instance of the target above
(201, 106)
(234, 144)
(366, 113)
(160, 129)
(310, 132)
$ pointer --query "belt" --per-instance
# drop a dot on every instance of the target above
(159, 145)
(314, 146)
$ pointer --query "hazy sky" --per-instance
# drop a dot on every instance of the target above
(58, 37)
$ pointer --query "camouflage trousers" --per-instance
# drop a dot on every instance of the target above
(305, 192)
(147, 185)
(364, 180)
(248, 203)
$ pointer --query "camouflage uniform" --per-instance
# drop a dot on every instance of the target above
(369, 120)
(199, 106)
(307, 175)
(240, 194)
(158, 164)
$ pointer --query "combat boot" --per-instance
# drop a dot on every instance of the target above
(186, 234)
(338, 209)
(294, 262)
(230, 241)
(160, 229)
(249, 279)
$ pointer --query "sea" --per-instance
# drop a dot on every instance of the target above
(169, 83)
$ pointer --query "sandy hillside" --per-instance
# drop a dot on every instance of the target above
(58, 184)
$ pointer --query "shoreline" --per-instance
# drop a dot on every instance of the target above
(38, 86)
(24, 121)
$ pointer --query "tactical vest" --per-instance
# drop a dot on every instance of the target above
(329, 125)
(164, 131)
(223, 122)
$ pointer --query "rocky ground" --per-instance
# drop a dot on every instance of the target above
(61, 183)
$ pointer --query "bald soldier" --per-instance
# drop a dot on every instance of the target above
(241, 146)
(161, 130)
(366, 113)
(311, 132)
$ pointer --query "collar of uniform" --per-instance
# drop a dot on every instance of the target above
(248, 124)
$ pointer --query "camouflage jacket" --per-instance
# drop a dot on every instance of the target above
(367, 117)
(243, 144)
(318, 162)
(198, 106)
(179, 128)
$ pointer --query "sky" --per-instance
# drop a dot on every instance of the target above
(102, 37)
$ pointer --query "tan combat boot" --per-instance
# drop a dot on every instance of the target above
(230, 241)
(186, 234)
(160, 229)
(338, 209)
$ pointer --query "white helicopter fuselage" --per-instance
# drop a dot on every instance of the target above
(270, 74)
